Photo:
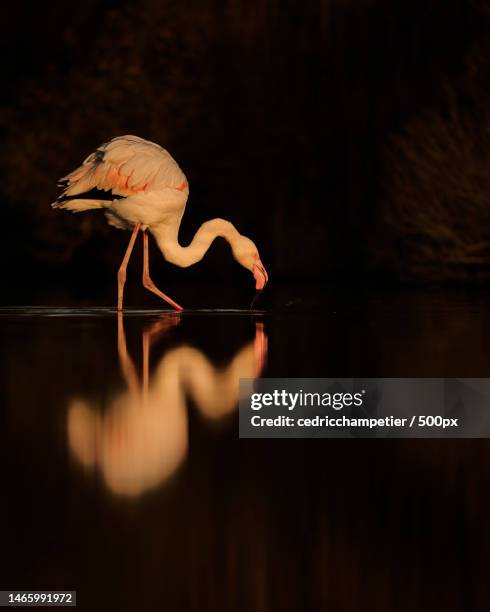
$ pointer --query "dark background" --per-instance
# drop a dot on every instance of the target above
(348, 139)
(351, 140)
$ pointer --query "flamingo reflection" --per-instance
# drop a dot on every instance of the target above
(141, 437)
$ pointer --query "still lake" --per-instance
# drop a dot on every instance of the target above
(123, 476)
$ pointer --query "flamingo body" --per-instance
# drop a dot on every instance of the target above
(145, 182)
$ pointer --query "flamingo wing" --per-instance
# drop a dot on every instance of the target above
(125, 165)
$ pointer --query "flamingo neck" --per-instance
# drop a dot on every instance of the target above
(167, 239)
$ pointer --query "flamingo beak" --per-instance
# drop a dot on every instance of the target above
(260, 275)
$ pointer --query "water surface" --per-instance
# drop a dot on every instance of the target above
(124, 478)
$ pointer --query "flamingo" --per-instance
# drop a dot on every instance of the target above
(139, 438)
(141, 187)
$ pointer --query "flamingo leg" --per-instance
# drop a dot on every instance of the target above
(126, 363)
(147, 282)
(150, 334)
(146, 367)
(121, 275)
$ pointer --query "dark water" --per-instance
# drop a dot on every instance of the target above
(124, 478)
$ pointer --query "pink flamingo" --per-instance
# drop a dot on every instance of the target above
(141, 187)
(140, 437)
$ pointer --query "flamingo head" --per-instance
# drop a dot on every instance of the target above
(260, 275)
(246, 253)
